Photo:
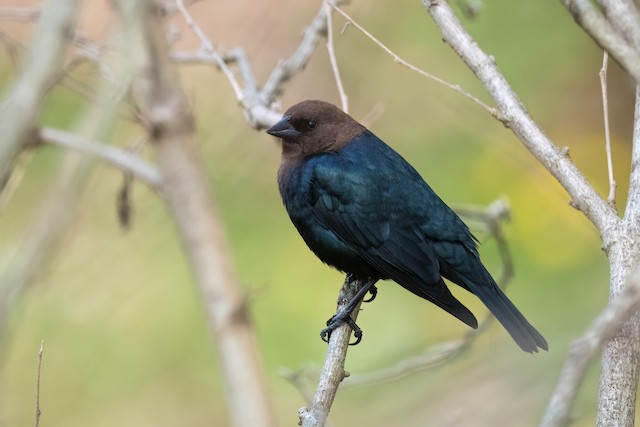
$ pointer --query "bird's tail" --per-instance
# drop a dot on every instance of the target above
(525, 335)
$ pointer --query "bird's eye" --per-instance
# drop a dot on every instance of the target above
(311, 125)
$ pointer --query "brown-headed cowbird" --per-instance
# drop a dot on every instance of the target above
(363, 209)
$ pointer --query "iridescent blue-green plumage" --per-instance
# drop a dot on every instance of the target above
(364, 210)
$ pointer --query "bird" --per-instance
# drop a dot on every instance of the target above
(364, 210)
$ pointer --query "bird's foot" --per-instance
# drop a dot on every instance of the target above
(374, 292)
(335, 322)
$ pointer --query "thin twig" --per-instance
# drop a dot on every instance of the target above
(38, 411)
(605, 108)
(583, 350)
(412, 67)
(344, 100)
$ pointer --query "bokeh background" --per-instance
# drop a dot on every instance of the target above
(126, 341)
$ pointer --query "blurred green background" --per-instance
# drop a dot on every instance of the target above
(126, 340)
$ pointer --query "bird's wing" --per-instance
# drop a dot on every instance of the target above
(362, 207)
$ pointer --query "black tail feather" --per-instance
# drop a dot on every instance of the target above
(522, 332)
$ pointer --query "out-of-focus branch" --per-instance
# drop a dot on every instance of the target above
(24, 14)
(171, 128)
(514, 116)
(583, 350)
(605, 34)
(333, 371)
(123, 160)
(21, 106)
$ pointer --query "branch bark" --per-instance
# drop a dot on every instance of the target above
(583, 350)
(22, 105)
(333, 371)
(171, 127)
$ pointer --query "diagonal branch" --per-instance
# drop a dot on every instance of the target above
(515, 117)
(123, 160)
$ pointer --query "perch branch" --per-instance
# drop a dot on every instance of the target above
(333, 371)
(583, 350)
(171, 127)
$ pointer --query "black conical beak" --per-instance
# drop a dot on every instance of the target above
(283, 129)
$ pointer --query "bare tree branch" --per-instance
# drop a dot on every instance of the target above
(171, 127)
(514, 116)
(123, 160)
(286, 69)
(333, 371)
(21, 106)
(583, 350)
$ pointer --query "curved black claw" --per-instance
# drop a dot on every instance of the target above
(374, 292)
(335, 322)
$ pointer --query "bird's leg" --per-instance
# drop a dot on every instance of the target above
(344, 315)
